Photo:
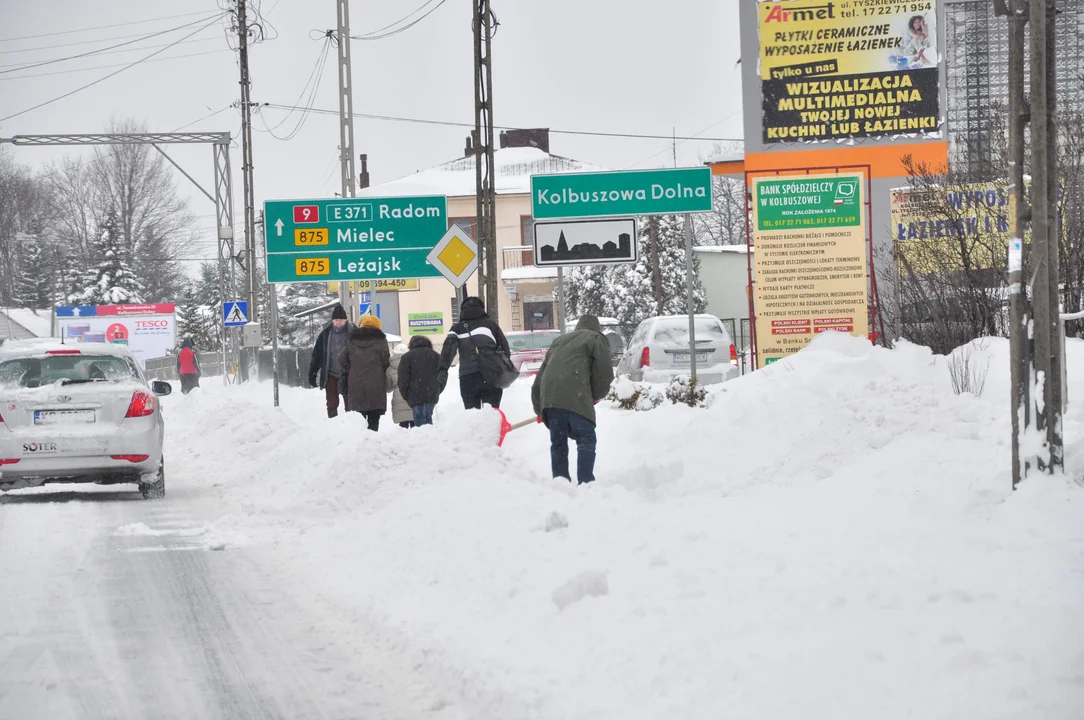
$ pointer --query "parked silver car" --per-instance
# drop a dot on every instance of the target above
(659, 350)
(81, 413)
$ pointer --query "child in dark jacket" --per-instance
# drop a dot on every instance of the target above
(418, 379)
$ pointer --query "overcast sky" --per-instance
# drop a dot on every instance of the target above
(630, 66)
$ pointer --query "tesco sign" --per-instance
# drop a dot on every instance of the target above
(150, 331)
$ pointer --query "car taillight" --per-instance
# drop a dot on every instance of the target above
(645, 358)
(142, 405)
(733, 356)
(8, 462)
(129, 458)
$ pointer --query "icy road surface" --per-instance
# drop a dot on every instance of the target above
(113, 607)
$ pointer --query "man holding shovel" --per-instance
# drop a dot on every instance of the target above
(575, 375)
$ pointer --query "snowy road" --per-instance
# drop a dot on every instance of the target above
(114, 608)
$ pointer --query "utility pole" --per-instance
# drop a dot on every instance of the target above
(1020, 355)
(346, 129)
(246, 169)
(1044, 224)
(485, 173)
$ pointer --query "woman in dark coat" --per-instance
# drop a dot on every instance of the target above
(365, 364)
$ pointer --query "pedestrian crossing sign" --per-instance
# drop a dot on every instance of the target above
(235, 314)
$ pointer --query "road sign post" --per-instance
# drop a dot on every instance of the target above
(352, 238)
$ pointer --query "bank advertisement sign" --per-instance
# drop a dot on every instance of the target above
(811, 261)
(840, 69)
(149, 331)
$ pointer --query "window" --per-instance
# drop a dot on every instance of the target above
(66, 369)
(526, 234)
(467, 224)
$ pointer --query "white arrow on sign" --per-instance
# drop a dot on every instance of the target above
(278, 226)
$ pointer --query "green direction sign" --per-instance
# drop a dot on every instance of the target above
(807, 202)
(352, 238)
(637, 192)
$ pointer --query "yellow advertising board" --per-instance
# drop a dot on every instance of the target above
(833, 69)
(810, 252)
(964, 227)
(390, 285)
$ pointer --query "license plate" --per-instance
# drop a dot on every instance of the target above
(684, 357)
(63, 417)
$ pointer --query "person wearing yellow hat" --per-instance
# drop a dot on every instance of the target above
(365, 362)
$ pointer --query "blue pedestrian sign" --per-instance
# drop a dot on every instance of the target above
(235, 314)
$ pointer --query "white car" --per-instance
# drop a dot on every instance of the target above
(79, 413)
(659, 350)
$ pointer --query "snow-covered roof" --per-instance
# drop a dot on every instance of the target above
(737, 249)
(514, 167)
(727, 157)
(529, 272)
(39, 323)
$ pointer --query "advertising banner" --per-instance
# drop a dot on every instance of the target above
(150, 331)
(964, 227)
(810, 254)
(426, 323)
(848, 69)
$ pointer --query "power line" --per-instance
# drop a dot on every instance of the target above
(106, 77)
(103, 27)
(312, 86)
(111, 47)
(449, 123)
(113, 65)
(205, 117)
(376, 34)
(119, 52)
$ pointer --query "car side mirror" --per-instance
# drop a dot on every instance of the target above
(159, 387)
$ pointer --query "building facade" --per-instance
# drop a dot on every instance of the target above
(976, 72)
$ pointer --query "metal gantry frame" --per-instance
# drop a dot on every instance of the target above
(223, 195)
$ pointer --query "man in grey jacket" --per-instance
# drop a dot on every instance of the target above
(324, 367)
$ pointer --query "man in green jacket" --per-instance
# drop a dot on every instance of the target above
(575, 375)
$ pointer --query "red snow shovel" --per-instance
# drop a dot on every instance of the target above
(507, 427)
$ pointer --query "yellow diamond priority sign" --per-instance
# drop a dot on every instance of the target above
(455, 256)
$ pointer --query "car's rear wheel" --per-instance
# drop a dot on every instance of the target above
(156, 489)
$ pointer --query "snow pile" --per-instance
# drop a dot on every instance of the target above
(834, 537)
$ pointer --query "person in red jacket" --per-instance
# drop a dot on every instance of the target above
(188, 366)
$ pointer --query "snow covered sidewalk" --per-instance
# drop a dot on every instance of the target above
(833, 538)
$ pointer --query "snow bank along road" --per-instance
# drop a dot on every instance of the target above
(833, 538)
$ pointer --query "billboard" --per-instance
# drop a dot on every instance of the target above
(839, 69)
(809, 235)
(949, 229)
(150, 331)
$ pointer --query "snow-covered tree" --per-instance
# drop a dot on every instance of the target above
(110, 280)
(156, 265)
(627, 292)
(197, 321)
(33, 287)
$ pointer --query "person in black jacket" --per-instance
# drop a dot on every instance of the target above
(475, 330)
(419, 379)
(324, 368)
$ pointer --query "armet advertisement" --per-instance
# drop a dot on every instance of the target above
(834, 69)
(149, 331)
(811, 261)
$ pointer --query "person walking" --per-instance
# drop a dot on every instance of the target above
(324, 368)
(575, 375)
(475, 332)
(419, 379)
(401, 414)
(365, 363)
(188, 366)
